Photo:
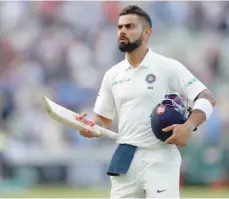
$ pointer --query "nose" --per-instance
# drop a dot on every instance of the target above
(122, 31)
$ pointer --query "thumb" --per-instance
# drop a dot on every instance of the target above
(169, 128)
(83, 114)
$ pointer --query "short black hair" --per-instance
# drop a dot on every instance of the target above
(133, 9)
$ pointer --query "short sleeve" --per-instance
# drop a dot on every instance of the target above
(104, 104)
(184, 82)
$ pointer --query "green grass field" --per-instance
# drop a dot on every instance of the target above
(61, 192)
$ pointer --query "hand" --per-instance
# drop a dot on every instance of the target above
(181, 134)
(87, 133)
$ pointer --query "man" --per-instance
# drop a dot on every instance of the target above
(133, 88)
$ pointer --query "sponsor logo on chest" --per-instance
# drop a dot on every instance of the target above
(121, 81)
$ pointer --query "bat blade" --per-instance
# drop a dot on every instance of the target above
(72, 119)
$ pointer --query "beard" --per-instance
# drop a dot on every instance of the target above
(130, 46)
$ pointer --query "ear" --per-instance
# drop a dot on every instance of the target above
(148, 31)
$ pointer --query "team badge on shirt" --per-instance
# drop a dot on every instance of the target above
(150, 78)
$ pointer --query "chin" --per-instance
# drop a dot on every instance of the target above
(122, 48)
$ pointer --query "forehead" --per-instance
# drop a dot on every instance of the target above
(127, 19)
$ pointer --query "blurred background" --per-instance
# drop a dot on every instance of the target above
(62, 50)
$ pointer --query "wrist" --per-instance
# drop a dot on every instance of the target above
(189, 126)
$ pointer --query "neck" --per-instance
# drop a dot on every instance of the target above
(136, 57)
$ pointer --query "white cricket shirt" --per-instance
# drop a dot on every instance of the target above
(134, 92)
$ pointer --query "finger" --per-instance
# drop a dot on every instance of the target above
(169, 128)
(89, 134)
(94, 134)
(171, 140)
(180, 142)
(177, 142)
(85, 132)
(83, 114)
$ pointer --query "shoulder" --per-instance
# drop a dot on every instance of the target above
(167, 64)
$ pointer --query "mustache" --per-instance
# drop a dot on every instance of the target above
(123, 37)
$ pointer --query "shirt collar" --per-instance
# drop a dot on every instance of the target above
(145, 62)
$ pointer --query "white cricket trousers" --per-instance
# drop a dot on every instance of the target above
(153, 173)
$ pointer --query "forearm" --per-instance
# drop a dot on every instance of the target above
(198, 116)
(103, 122)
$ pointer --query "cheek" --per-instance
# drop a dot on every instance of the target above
(132, 37)
(118, 33)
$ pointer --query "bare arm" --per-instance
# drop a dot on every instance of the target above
(103, 122)
(197, 117)
(182, 132)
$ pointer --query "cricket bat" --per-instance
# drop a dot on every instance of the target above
(73, 120)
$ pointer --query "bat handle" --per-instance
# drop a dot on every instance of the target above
(109, 133)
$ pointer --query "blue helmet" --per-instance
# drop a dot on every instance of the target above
(170, 111)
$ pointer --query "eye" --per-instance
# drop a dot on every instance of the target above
(119, 27)
(128, 26)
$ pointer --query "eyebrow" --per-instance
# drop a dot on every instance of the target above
(126, 24)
